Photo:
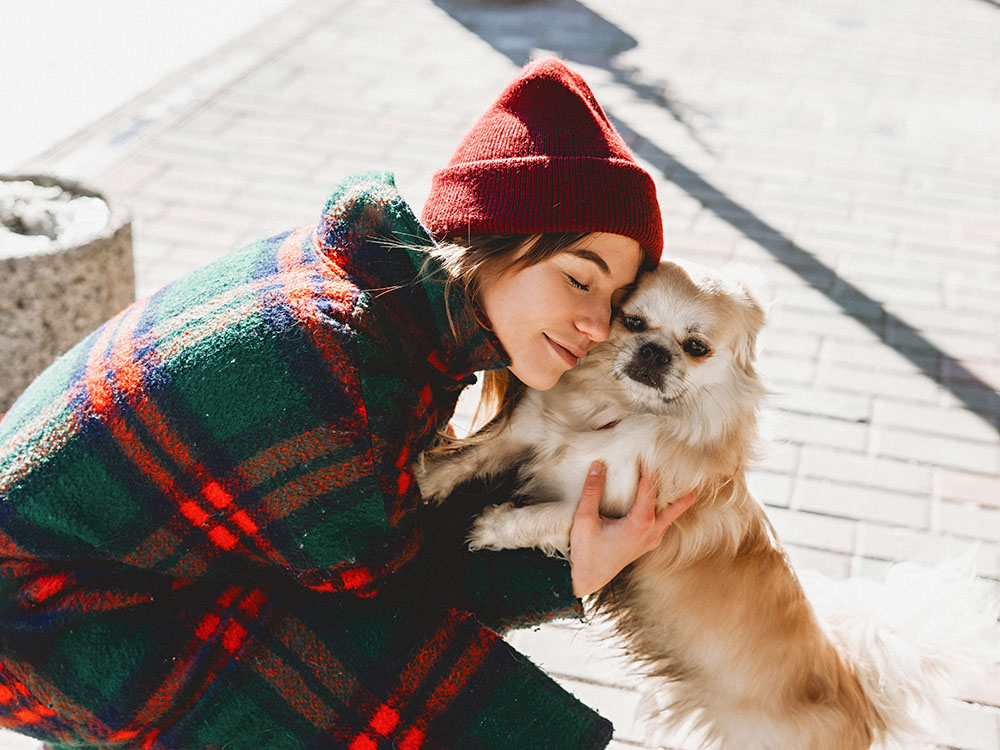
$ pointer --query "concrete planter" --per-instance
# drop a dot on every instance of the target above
(59, 283)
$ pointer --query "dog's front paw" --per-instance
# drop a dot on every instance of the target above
(437, 479)
(545, 526)
(491, 529)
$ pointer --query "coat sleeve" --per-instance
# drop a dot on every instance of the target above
(218, 427)
(259, 664)
(506, 589)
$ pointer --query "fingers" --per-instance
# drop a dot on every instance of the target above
(645, 495)
(673, 511)
(600, 547)
(645, 512)
(593, 489)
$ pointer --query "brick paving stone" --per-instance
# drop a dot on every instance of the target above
(984, 399)
(851, 407)
(935, 449)
(880, 542)
(845, 151)
(972, 371)
(826, 324)
(971, 727)
(881, 358)
(828, 533)
(958, 344)
(933, 419)
(862, 503)
(969, 520)
(802, 344)
(886, 472)
(786, 372)
(770, 488)
(595, 655)
(778, 457)
(833, 564)
(804, 428)
(970, 487)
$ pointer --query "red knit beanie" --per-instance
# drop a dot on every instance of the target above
(543, 159)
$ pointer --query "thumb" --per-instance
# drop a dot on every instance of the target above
(593, 488)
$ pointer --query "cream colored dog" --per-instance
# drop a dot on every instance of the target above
(715, 609)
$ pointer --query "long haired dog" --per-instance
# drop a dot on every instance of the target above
(716, 610)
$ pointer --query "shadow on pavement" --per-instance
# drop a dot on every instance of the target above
(576, 33)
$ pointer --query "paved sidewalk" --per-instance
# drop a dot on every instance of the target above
(850, 151)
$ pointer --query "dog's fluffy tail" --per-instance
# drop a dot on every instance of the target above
(915, 638)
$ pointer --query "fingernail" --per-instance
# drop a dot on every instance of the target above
(596, 468)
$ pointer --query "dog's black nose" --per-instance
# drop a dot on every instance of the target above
(652, 355)
(649, 365)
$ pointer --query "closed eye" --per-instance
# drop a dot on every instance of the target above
(574, 283)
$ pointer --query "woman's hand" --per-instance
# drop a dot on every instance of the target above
(599, 547)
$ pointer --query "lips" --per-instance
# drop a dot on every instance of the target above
(569, 356)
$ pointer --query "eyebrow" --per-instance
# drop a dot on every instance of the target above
(593, 257)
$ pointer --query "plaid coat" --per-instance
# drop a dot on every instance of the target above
(210, 534)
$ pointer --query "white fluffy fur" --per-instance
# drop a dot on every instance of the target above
(715, 612)
(914, 637)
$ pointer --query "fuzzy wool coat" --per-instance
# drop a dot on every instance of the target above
(211, 536)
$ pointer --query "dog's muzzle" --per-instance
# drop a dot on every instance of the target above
(649, 365)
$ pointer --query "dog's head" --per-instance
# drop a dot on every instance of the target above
(682, 343)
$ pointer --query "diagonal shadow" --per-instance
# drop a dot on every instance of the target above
(573, 32)
(569, 29)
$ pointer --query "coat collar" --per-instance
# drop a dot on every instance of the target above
(366, 216)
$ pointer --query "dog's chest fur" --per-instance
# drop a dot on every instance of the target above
(563, 444)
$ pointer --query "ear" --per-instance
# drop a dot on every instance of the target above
(749, 289)
(746, 349)
(754, 282)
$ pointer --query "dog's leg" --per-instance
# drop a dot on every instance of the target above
(491, 453)
(544, 525)
(553, 483)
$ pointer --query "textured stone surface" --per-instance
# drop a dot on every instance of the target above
(51, 299)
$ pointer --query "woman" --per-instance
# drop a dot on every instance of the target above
(210, 532)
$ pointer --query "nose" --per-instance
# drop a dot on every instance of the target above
(649, 365)
(595, 322)
(652, 355)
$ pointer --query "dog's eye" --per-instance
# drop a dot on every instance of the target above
(633, 323)
(696, 348)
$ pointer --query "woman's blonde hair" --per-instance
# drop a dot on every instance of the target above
(474, 263)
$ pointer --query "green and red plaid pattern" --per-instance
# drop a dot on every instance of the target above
(210, 533)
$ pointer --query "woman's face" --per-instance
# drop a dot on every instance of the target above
(550, 314)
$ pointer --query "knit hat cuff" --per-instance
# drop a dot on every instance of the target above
(589, 194)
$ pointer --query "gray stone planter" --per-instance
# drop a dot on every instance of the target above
(58, 282)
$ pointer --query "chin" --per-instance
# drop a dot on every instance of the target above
(715, 616)
(536, 378)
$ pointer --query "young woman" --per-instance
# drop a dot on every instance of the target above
(210, 532)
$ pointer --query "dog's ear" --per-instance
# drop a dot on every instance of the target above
(746, 350)
(752, 293)
(754, 282)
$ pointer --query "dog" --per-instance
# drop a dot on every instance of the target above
(716, 610)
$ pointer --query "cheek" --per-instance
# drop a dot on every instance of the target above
(506, 312)
(509, 328)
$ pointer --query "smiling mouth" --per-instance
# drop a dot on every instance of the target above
(568, 356)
